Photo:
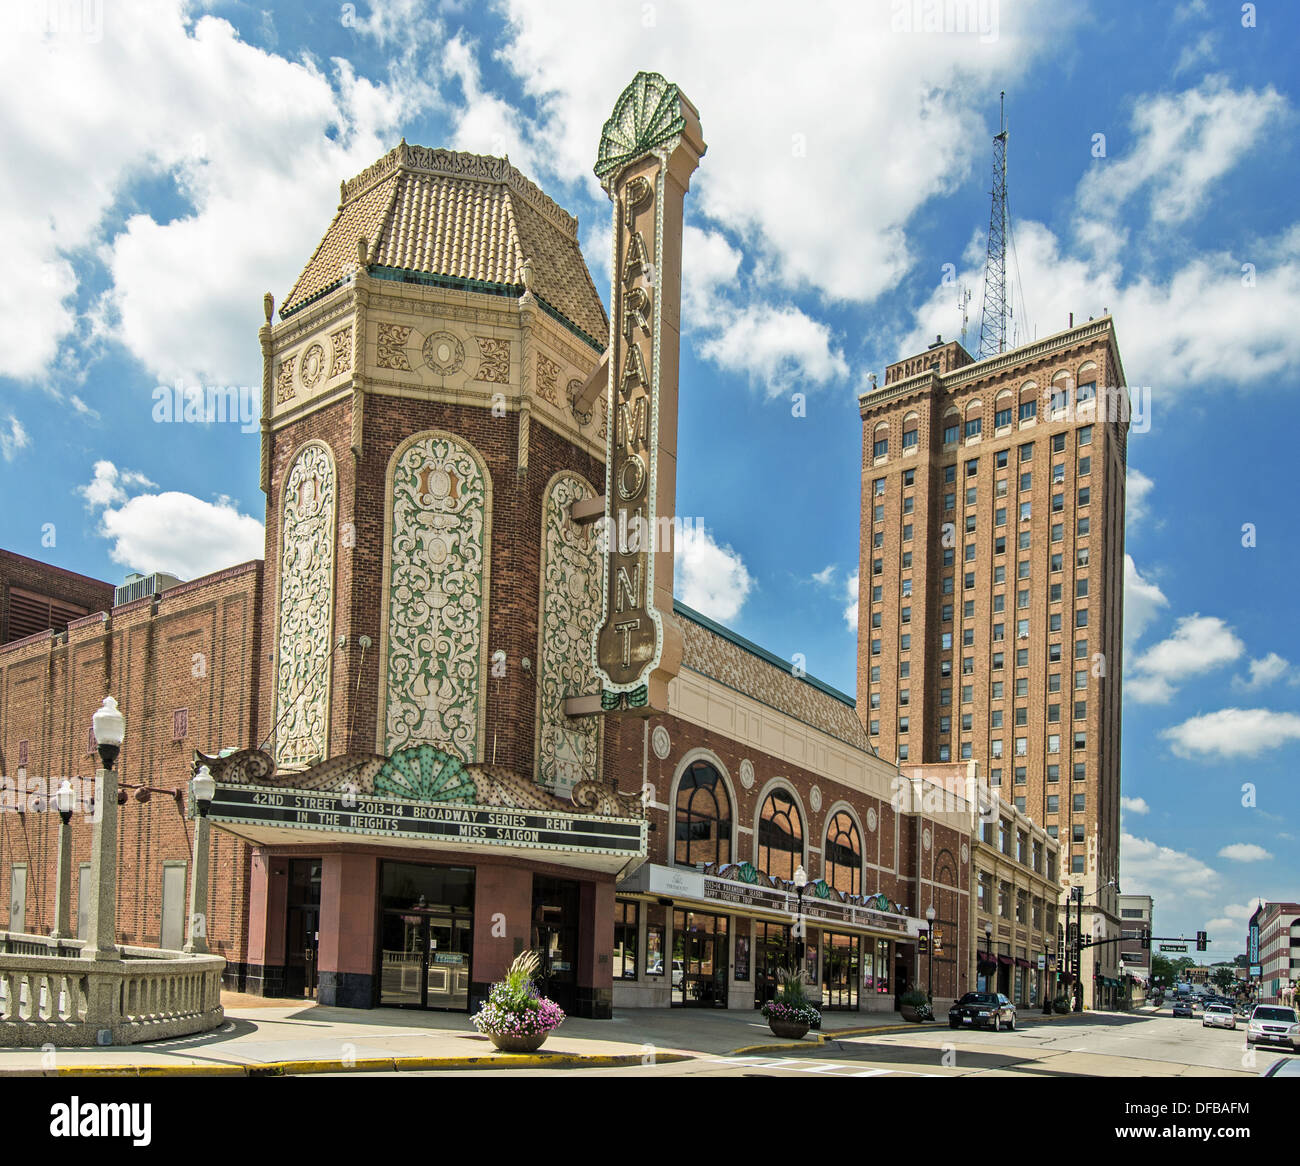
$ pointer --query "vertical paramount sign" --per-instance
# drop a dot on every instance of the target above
(649, 149)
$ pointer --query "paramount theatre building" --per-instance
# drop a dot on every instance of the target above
(456, 711)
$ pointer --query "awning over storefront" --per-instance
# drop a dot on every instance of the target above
(742, 890)
(1006, 960)
(1021, 963)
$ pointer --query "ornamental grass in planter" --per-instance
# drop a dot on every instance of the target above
(515, 1016)
(789, 1014)
(915, 1006)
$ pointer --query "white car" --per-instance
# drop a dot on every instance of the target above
(1218, 1016)
(1273, 1024)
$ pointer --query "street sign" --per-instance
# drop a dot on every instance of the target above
(1173, 947)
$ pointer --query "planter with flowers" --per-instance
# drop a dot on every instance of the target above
(515, 1016)
(789, 1014)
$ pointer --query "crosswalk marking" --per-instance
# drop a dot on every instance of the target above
(805, 1065)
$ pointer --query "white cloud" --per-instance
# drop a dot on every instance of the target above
(783, 349)
(1264, 672)
(249, 138)
(773, 152)
(1143, 600)
(83, 409)
(823, 577)
(1233, 733)
(172, 532)
(109, 484)
(1193, 53)
(1135, 805)
(710, 577)
(1234, 919)
(1166, 874)
(1183, 143)
(1245, 852)
(1136, 490)
(851, 608)
(1198, 644)
(14, 440)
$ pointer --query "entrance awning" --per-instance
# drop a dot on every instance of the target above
(288, 817)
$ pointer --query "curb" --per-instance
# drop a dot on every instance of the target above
(364, 1065)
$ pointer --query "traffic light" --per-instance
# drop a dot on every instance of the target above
(1146, 939)
(1202, 940)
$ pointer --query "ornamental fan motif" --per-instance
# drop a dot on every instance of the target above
(647, 114)
(426, 774)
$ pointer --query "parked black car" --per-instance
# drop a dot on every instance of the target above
(983, 1010)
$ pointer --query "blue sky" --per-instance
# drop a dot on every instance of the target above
(1152, 166)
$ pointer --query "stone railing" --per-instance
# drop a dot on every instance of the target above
(49, 995)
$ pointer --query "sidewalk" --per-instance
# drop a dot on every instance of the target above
(272, 1038)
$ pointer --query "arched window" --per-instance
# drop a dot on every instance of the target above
(844, 854)
(780, 835)
(703, 817)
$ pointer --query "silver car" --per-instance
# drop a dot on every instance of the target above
(1273, 1024)
(1218, 1016)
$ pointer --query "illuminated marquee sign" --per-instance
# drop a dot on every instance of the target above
(429, 822)
(649, 148)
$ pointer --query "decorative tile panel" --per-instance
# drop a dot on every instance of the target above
(391, 349)
(435, 599)
(548, 375)
(494, 360)
(306, 608)
(568, 748)
(341, 351)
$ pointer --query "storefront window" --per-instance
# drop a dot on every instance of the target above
(780, 836)
(703, 817)
(701, 956)
(882, 983)
(841, 963)
(844, 855)
(626, 919)
(654, 949)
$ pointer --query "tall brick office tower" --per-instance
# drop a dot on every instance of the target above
(991, 599)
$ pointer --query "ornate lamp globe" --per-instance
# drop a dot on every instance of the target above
(65, 800)
(801, 878)
(204, 789)
(110, 729)
(929, 914)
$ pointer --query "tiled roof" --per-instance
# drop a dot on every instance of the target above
(462, 216)
(712, 650)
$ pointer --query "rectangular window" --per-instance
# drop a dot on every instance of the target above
(966, 719)
(1080, 771)
(1053, 653)
(875, 647)
(1054, 593)
(1053, 714)
(1022, 628)
(967, 637)
(904, 696)
(970, 523)
(950, 435)
(878, 566)
(905, 642)
(970, 581)
(875, 674)
(880, 487)
(1084, 525)
(1022, 746)
(997, 690)
(1085, 466)
(945, 642)
(1081, 556)
(909, 504)
(996, 743)
(997, 661)
(950, 472)
(973, 428)
(907, 532)
(1085, 495)
(944, 753)
(1023, 541)
(946, 586)
(905, 669)
(1058, 503)
(909, 476)
(1081, 589)
(1054, 622)
(946, 613)
(995, 778)
(875, 700)
(999, 574)
(1060, 399)
(999, 602)
(1085, 435)
(1080, 649)
(1058, 442)
(907, 560)
(1053, 773)
(995, 719)
(1076, 864)
(902, 753)
(875, 728)
(1028, 410)
(965, 750)
(1026, 510)
(967, 693)
(1000, 459)
(945, 696)
(970, 553)
(906, 615)
(1079, 802)
(1081, 740)
(876, 593)
(1054, 742)
(909, 438)
(626, 926)
(1057, 562)
(1081, 618)
(949, 501)
(1080, 710)
(902, 724)
(879, 513)
(880, 448)
(1076, 833)
(1022, 657)
(1058, 532)
(972, 467)
(999, 633)
(1002, 418)
(1000, 516)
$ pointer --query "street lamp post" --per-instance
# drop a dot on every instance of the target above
(800, 882)
(110, 730)
(988, 950)
(65, 799)
(929, 975)
(202, 790)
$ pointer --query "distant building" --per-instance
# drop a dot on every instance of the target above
(1135, 914)
(1273, 946)
(36, 597)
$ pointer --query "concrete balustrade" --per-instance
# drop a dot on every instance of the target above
(51, 995)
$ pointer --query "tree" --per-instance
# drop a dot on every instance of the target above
(1224, 977)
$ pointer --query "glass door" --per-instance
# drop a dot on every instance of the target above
(701, 957)
(773, 951)
(302, 944)
(424, 960)
(555, 939)
(841, 966)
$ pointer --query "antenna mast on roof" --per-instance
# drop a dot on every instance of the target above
(993, 326)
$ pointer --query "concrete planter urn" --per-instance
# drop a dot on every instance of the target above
(510, 1043)
(787, 1029)
(910, 1013)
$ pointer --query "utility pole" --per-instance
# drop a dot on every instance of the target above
(993, 325)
